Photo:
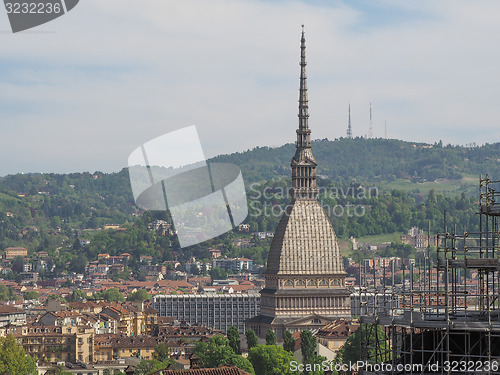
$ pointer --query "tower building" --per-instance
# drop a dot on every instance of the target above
(305, 275)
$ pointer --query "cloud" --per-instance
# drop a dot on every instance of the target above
(81, 92)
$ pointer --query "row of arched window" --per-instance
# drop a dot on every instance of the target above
(311, 302)
(311, 282)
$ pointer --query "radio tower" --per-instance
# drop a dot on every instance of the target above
(349, 129)
(370, 132)
(385, 129)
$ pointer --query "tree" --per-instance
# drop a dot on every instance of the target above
(78, 295)
(147, 366)
(270, 337)
(141, 275)
(162, 352)
(6, 293)
(233, 335)
(79, 264)
(110, 295)
(217, 273)
(139, 295)
(316, 365)
(241, 363)
(32, 294)
(217, 352)
(17, 264)
(117, 276)
(77, 244)
(13, 359)
(161, 360)
(351, 351)
(271, 360)
(252, 339)
(308, 346)
(56, 297)
(288, 342)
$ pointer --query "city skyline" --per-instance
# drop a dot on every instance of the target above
(81, 92)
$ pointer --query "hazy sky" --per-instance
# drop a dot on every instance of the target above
(82, 92)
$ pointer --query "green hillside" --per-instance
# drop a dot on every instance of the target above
(389, 163)
(369, 187)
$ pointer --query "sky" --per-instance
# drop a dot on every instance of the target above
(82, 92)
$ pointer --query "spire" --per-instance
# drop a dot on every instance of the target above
(349, 129)
(303, 102)
(303, 162)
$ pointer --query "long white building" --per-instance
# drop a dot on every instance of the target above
(219, 311)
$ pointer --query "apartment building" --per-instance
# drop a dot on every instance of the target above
(219, 311)
(12, 252)
(52, 344)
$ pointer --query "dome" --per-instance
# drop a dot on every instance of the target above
(305, 242)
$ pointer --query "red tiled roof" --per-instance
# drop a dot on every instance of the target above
(8, 309)
(341, 328)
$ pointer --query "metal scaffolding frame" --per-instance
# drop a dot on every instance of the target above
(449, 320)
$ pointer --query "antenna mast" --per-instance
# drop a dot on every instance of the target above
(370, 133)
(349, 128)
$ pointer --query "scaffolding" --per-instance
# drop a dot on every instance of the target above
(448, 315)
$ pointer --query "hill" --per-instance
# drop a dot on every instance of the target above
(369, 187)
(388, 163)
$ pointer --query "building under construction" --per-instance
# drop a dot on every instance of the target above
(447, 316)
